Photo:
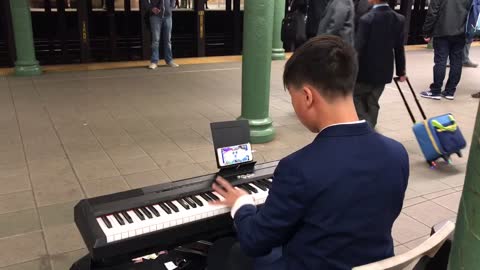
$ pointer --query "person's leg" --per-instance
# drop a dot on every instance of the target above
(466, 52)
(466, 55)
(456, 58)
(167, 43)
(271, 261)
(373, 104)
(441, 51)
(155, 26)
(360, 98)
(226, 254)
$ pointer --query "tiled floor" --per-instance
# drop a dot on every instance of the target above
(68, 136)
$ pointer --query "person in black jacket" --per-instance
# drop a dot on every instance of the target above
(380, 36)
(445, 23)
(316, 9)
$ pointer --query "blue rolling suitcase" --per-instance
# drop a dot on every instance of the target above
(439, 136)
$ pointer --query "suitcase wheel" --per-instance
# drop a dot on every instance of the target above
(459, 154)
(432, 164)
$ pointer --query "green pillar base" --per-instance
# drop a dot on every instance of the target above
(261, 130)
(27, 70)
(278, 54)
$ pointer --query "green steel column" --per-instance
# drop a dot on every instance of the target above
(256, 68)
(278, 53)
(26, 64)
(465, 253)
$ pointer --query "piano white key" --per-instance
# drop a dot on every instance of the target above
(106, 231)
(165, 220)
(116, 228)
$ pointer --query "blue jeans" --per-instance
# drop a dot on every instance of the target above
(444, 48)
(161, 26)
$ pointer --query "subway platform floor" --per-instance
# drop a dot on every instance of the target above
(72, 135)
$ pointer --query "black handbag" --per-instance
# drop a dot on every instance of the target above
(293, 26)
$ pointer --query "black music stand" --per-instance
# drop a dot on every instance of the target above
(230, 133)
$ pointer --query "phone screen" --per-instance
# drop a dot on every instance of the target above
(236, 154)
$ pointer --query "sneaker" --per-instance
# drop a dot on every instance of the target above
(429, 94)
(152, 66)
(448, 96)
(476, 95)
(173, 64)
(470, 65)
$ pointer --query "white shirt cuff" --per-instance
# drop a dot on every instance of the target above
(241, 201)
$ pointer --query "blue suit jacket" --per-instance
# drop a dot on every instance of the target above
(332, 204)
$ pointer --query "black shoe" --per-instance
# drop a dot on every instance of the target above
(470, 65)
(476, 95)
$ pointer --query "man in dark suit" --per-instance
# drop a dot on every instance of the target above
(332, 204)
(379, 37)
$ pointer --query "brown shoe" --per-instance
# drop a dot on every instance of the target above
(476, 95)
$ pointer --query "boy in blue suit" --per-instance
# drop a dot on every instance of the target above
(332, 203)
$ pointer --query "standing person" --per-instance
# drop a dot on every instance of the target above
(315, 11)
(445, 23)
(379, 43)
(333, 203)
(293, 25)
(160, 24)
(338, 20)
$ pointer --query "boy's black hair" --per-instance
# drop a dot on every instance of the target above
(325, 62)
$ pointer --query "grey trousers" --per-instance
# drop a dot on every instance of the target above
(366, 98)
(466, 53)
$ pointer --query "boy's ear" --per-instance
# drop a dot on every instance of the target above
(308, 92)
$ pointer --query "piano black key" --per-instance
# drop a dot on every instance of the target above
(139, 214)
(252, 188)
(172, 206)
(119, 219)
(260, 185)
(213, 196)
(267, 183)
(245, 188)
(165, 208)
(153, 210)
(197, 201)
(206, 197)
(190, 202)
(107, 222)
(146, 212)
(183, 204)
(127, 217)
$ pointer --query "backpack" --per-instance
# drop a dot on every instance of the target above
(472, 27)
(293, 26)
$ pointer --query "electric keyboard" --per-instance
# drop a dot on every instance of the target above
(164, 216)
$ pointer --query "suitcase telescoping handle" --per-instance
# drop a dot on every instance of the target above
(396, 80)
